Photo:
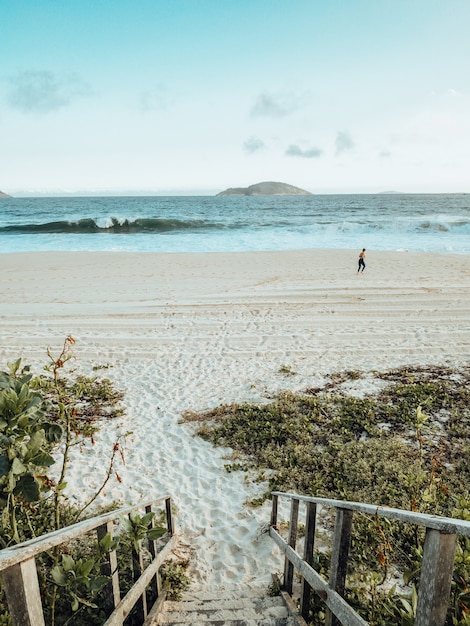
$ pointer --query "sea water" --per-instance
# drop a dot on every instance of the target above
(419, 222)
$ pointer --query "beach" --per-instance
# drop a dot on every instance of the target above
(189, 331)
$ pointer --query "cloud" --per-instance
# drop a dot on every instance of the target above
(253, 144)
(343, 142)
(43, 91)
(296, 151)
(453, 93)
(383, 154)
(268, 105)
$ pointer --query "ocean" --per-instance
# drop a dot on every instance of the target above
(418, 222)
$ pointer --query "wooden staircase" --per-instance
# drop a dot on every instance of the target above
(237, 607)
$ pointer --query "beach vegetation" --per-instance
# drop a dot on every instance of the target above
(42, 418)
(286, 370)
(175, 578)
(139, 527)
(101, 366)
(274, 588)
(81, 578)
(403, 445)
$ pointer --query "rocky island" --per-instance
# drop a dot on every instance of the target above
(265, 189)
(4, 195)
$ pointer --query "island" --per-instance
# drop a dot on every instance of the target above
(4, 195)
(266, 189)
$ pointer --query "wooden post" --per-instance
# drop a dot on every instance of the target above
(22, 592)
(310, 522)
(110, 568)
(339, 557)
(137, 569)
(435, 579)
(156, 583)
(288, 566)
(169, 517)
(274, 510)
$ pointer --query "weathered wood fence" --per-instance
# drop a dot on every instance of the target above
(436, 569)
(20, 578)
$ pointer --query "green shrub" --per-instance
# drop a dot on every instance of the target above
(40, 419)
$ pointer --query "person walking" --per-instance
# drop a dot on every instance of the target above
(362, 263)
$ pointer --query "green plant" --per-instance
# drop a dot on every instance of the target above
(75, 576)
(274, 588)
(41, 418)
(26, 440)
(175, 579)
(81, 578)
(139, 527)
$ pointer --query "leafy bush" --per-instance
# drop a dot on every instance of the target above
(40, 419)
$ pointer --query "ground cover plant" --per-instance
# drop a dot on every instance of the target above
(42, 417)
(404, 445)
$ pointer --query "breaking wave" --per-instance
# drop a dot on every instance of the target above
(113, 226)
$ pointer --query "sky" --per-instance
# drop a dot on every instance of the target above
(194, 96)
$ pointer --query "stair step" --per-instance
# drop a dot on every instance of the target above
(227, 610)
(262, 621)
(224, 594)
(257, 604)
(220, 613)
(227, 606)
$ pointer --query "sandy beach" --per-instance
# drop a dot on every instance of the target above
(190, 331)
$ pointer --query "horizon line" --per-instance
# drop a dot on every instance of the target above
(61, 193)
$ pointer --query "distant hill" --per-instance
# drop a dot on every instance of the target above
(4, 195)
(265, 189)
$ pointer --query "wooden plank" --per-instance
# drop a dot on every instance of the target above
(137, 570)
(156, 583)
(288, 567)
(110, 568)
(23, 551)
(435, 578)
(120, 613)
(289, 602)
(155, 610)
(338, 605)
(22, 593)
(339, 557)
(444, 524)
(274, 510)
(169, 516)
(310, 523)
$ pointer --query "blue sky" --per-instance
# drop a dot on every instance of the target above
(193, 96)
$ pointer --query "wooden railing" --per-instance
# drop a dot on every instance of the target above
(436, 569)
(20, 578)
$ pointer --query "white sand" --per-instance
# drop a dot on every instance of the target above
(190, 331)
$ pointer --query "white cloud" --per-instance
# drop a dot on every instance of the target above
(443, 93)
(343, 142)
(280, 105)
(297, 151)
(253, 144)
(43, 91)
